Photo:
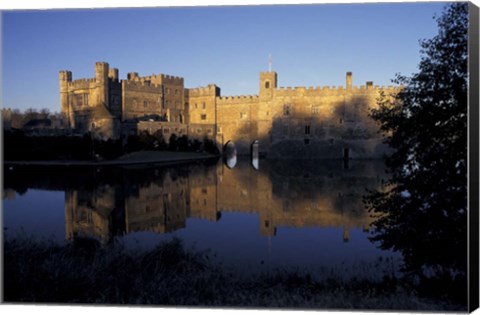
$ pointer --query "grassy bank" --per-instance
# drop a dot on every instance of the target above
(140, 157)
(84, 272)
(21, 146)
(161, 156)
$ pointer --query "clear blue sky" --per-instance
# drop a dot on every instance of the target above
(311, 45)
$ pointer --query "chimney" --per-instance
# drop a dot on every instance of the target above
(349, 81)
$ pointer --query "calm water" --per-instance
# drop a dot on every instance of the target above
(252, 216)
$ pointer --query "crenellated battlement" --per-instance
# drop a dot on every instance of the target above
(65, 75)
(156, 79)
(311, 90)
(330, 90)
(140, 83)
(387, 89)
(209, 90)
(81, 83)
(170, 79)
(153, 79)
(238, 99)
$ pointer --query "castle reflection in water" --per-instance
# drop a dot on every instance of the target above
(298, 194)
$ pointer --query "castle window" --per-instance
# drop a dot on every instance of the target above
(315, 109)
(243, 115)
(79, 99)
(203, 117)
(287, 109)
(307, 130)
(204, 191)
(196, 105)
(267, 84)
(85, 99)
(145, 104)
(204, 105)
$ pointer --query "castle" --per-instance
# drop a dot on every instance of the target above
(320, 122)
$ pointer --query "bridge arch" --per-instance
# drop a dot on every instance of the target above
(255, 154)
(230, 154)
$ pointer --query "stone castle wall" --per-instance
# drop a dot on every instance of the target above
(141, 99)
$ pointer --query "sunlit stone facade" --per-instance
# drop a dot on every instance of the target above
(320, 122)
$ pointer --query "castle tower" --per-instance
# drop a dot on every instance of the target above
(113, 74)
(65, 77)
(101, 79)
(369, 85)
(268, 84)
(132, 75)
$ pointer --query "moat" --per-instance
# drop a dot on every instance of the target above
(253, 215)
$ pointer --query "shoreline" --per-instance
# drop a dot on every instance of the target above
(134, 158)
(84, 271)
